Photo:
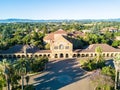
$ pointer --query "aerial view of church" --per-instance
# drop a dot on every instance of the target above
(60, 47)
(59, 44)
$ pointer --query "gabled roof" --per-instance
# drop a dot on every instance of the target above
(51, 35)
(21, 48)
(105, 48)
(43, 51)
(63, 38)
(60, 31)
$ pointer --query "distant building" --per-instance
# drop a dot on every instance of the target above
(117, 37)
(75, 34)
(111, 29)
(86, 31)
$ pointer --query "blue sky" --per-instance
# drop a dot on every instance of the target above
(60, 9)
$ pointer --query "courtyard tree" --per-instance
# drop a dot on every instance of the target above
(47, 46)
(117, 68)
(98, 51)
(39, 64)
(22, 67)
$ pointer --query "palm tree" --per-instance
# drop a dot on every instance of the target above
(117, 68)
(98, 51)
(2, 81)
(5, 70)
(22, 67)
(27, 79)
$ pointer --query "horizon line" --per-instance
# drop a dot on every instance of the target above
(61, 19)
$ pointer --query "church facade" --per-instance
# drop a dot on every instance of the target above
(60, 47)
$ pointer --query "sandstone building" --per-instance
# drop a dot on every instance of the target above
(60, 47)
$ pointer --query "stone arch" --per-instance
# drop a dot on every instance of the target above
(48, 55)
(56, 55)
(10, 56)
(95, 54)
(103, 54)
(5, 56)
(112, 55)
(67, 56)
(14, 56)
(40, 55)
(91, 55)
(31, 55)
(82, 55)
(87, 55)
(1, 56)
(61, 55)
(18, 56)
(23, 56)
(36, 55)
(78, 55)
(116, 54)
(44, 55)
(27, 55)
(107, 54)
(74, 55)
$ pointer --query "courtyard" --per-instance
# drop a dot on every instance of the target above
(63, 75)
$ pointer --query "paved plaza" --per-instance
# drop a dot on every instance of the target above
(62, 75)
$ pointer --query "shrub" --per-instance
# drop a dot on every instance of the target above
(109, 71)
(39, 64)
(92, 65)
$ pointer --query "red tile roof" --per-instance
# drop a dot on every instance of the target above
(105, 48)
(20, 49)
(60, 31)
(44, 51)
(51, 35)
(76, 33)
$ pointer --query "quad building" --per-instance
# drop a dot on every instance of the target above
(60, 47)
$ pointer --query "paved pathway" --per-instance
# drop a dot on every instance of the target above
(62, 75)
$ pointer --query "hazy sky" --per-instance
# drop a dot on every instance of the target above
(60, 9)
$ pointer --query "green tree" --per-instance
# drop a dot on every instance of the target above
(2, 81)
(109, 71)
(98, 51)
(22, 68)
(39, 64)
(5, 70)
(101, 82)
(96, 29)
(47, 46)
(116, 43)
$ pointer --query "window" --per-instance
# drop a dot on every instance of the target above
(61, 46)
(56, 47)
(67, 47)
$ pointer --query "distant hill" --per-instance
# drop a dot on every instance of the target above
(66, 20)
(27, 20)
(19, 20)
